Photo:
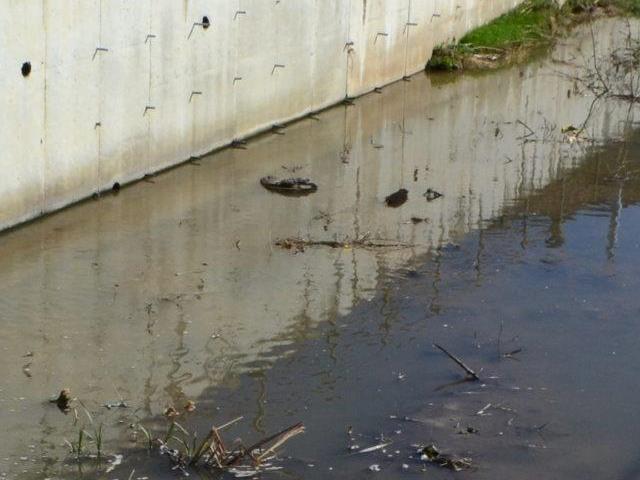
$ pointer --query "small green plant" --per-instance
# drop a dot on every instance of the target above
(77, 447)
(98, 440)
(147, 435)
(184, 439)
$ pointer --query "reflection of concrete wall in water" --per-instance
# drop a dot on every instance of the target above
(120, 88)
(107, 286)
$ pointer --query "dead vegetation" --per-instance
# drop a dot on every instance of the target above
(214, 452)
(432, 454)
(299, 245)
(181, 446)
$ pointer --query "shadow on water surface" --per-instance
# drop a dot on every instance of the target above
(174, 290)
(547, 280)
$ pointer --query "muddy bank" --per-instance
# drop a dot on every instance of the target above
(527, 31)
(174, 289)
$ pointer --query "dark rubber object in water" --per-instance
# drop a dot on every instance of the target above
(398, 198)
(289, 186)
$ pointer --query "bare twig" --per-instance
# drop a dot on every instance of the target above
(299, 244)
(460, 363)
(278, 440)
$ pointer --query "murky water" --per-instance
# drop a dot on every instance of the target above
(173, 290)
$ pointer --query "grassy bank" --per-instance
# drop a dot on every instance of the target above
(516, 35)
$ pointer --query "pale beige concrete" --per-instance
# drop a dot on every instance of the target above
(120, 89)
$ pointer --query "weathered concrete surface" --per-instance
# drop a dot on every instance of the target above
(119, 89)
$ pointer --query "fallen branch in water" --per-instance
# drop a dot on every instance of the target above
(257, 452)
(460, 363)
(213, 443)
(300, 244)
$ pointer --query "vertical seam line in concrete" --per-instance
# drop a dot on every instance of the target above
(147, 167)
(45, 159)
(406, 44)
(99, 109)
(314, 58)
(348, 48)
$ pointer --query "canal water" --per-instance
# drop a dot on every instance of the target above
(527, 268)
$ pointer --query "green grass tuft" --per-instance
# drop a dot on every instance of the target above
(527, 24)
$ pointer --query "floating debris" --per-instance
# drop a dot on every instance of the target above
(118, 404)
(431, 454)
(243, 473)
(512, 353)
(190, 406)
(460, 363)
(483, 410)
(63, 401)
(375, 467)
(171, 412)
(417, 220)
(432, 195)
(397, 199)
(298, 245)
(289, 186)
(375, 448)
(113, 463)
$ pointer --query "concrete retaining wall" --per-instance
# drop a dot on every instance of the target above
(119, 89)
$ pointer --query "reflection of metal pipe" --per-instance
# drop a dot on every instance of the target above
(616, 211)
(175, 380)
(556, 236)
(258, 421)
(525, 226)
(614, 224)
(480, 249)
